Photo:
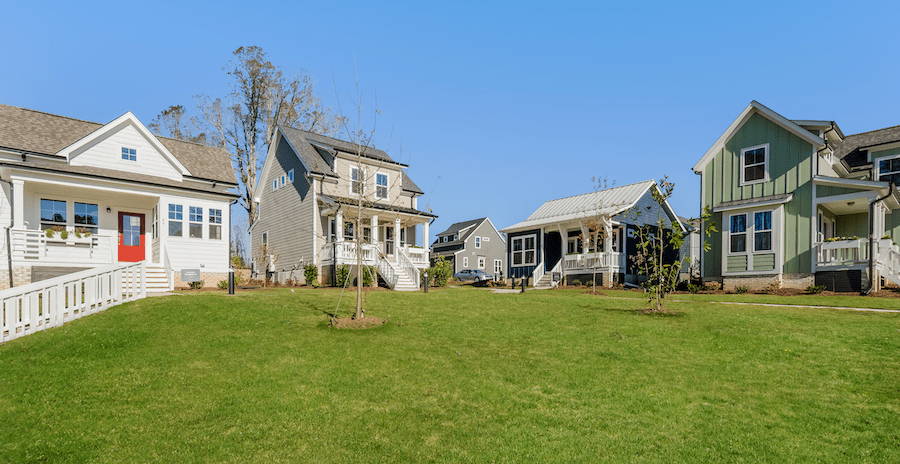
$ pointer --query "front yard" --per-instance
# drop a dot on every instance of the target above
(455, 375)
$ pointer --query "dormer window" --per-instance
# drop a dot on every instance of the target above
(129, 154)
(755, 164)
(889, 170)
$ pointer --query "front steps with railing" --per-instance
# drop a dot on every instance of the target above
(157, 281)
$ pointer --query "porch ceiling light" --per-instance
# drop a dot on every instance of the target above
(108, 209)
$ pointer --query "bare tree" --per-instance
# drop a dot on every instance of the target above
(261, 99)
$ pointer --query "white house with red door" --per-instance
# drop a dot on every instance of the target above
(78, 195)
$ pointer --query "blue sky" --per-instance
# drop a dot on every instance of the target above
(496, 107)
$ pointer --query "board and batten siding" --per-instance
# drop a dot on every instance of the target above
(790, 171)
(106, 153)
(286, 213)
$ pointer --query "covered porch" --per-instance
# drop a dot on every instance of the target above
(848, 213)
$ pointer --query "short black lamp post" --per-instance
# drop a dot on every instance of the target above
(426, 281)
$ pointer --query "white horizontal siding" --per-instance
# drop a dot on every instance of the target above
(190, 253)
(107, 153)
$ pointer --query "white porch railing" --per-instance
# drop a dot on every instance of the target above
(418, 256)
(537, 273)
(34, 245)
(387, 272)
(50, 303)
(345, 253)
(842, 253)
(408, 266)
(585, 261)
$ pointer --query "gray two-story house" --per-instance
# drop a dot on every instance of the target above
(474, 244)
(323, 201)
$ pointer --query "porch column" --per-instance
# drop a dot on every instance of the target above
(397, 233)
(18, 198)
(339, 226)
(607, 249)
(375, 229)
(425, 236)
(585, 237)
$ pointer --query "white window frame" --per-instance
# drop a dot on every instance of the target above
(765, 164)
(482, 262)
(282, 181)
(175, 215)
(129, 154)
(465, 261)
(215, 224)
(877, 166)
(512, 253)
(275, 185)
(477, 242)
(291, 176)
(195, 219)
(361, 178)
(265, 239)
(386, 187)
(777, 242)
(498, 268)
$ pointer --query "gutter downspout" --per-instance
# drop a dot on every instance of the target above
(872, 237)
(8, 233)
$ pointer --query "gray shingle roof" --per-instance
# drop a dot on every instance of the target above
(333, 143)
(455, 228)
(407, 184)
(373, 205)
(112, 174)
(866, 139)
(31, 131)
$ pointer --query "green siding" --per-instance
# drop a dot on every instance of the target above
(764, 262)
(790, 171)
(892, 225)
(850, 225)
(879, 154)
(823, 191)
(737, 263)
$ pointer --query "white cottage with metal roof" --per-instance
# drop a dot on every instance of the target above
(585, 235)
(78, 195)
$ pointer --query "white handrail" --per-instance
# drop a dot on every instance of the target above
(170, 279)
(538, 272)
(50, 303)
(411, 270)
(385, 269)
(28, 245)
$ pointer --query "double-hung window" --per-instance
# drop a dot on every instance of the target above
(755, 164)
(176, 216)
(739, 233)
(86, 217)
(523, 250)
(481, 261)
(215, 224)
(477, 242)
(762, 231)
(195, 227)
(357, 181)
(889, 170)
(53, 214)
(348, 231)
(381, 186)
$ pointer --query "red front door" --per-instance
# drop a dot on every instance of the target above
(131, 237)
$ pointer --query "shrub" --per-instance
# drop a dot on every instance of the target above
(694, 288)
(814, 289)
(311, 274)
(199, 285)
(64, 234)
(576, 282)
(238, 279)
(741, 289)
(440, 273)
(342, 275)
(223, 284)
(49, 233)
(367, 274)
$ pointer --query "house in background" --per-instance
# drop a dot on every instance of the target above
(799, 203)
(580, 236)
(474, 244)
(308, 197)
(109, 193)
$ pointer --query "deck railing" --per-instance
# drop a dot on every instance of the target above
(418, 256)
(408, 266)
(586, 261)
(34, 245)
(842, 252)
(345, 252)
(50, 303)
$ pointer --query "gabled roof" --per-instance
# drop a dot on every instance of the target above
(332, 144)
(852, 143)
(753, 108)
(464, 229)
(608, 202)
(34, 132)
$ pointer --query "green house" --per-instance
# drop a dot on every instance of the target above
(798, 203)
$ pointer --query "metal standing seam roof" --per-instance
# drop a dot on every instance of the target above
(607, 202)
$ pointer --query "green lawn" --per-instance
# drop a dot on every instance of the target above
(456, 375)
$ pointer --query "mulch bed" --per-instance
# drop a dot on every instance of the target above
(350, 323)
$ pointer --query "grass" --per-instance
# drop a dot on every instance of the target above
(456, 375)
(845, 301)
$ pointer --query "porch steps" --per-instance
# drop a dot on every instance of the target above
(545, 283)
(157, 281)
(404, 282)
